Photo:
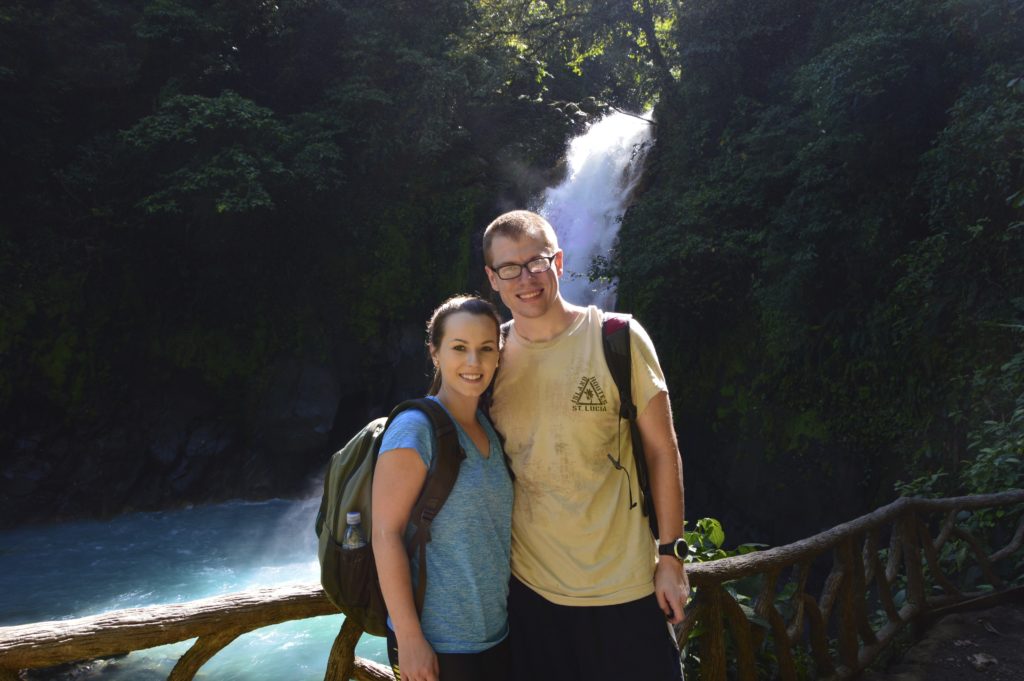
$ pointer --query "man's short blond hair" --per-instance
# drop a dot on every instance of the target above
(515, 225)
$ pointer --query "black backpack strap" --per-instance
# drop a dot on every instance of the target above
(444, 469)
(618, 355)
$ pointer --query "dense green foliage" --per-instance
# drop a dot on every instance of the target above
(834, 235)
(200, 187)
(828, 250)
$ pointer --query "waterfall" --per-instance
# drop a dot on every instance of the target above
(604, 166)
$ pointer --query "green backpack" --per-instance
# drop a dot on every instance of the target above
(349, 577)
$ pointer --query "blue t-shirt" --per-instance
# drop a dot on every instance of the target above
(468, 561)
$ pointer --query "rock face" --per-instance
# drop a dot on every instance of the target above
(184, 445)
(298, 408)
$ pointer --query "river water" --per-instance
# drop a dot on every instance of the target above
(86, 568)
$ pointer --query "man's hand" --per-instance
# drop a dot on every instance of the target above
(672, 587)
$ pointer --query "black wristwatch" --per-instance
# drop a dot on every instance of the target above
(677, 548)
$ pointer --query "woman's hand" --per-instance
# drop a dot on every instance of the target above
(417, 660)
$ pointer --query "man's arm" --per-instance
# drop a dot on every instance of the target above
(665, 468)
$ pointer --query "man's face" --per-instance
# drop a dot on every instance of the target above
(530, 295)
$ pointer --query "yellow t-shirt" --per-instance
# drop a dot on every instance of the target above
(575, 538)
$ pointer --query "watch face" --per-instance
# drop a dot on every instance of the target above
(678, 548)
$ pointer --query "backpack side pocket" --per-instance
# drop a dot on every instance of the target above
(345, 572)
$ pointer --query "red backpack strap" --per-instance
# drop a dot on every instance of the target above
(441, 476)
(615, 338)
(618, 356)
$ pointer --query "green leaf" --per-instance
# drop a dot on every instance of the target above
(713, 530)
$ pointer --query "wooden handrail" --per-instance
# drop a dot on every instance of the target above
(857, 571)
(736, 567)
(121, 631)
(215, 621)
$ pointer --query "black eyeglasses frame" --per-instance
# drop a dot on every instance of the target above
(547, 259)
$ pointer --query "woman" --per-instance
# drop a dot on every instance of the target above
(461, 633)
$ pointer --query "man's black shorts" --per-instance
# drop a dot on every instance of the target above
(614, 642)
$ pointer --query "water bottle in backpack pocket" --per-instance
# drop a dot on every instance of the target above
(348, 572)
(354, 537)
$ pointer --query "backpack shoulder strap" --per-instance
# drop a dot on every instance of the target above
(618, 355)
(441, 476)
(448, 456)
(615, 339)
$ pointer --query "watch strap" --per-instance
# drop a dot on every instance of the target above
(677, 548)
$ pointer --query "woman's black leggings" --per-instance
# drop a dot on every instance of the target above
(490, 665)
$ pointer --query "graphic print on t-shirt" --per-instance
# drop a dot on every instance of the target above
(589, 396)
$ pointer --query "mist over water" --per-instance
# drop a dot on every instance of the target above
(87, 568)
(604, 165)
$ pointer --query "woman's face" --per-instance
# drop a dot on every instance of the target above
(467, 355)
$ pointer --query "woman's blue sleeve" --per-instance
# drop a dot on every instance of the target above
(410, 430)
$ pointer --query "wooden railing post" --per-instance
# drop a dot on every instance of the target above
(932, 556)
(746, 665)
(712, 650)
(780, 634)
(818, 637)
(847, 605)
(915, 572)
(912, 559)
(341, 664)
(860, 589)
(200, 653)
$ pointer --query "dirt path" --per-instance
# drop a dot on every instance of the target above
(984, 645)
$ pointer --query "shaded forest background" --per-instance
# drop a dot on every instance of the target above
(222, 224)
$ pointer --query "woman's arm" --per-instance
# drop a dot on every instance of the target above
(397, 481)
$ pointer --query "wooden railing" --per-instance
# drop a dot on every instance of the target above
(215, 621)
(891, 549)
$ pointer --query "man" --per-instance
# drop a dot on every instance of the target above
(590, 596)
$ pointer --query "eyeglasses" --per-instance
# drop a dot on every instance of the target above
(542, 263)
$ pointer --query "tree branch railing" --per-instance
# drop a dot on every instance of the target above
(889, 549)
(835, 632)
(214, 622)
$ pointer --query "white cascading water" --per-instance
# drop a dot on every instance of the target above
(604, 165)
